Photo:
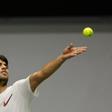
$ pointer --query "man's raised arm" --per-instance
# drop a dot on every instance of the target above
(39, 76)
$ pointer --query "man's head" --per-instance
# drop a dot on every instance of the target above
(3, 70)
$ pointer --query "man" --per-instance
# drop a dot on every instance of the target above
(18, 96)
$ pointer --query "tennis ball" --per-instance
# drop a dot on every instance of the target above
(88, 32)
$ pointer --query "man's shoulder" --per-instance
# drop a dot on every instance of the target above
(20, 81)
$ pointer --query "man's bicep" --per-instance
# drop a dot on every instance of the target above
(35, 80)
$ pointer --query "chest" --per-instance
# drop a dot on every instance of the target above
(5, 97)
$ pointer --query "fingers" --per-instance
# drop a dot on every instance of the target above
(73, 46)
(80, 48)
(71, 51)
(75, 50)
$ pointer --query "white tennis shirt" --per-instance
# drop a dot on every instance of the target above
(18, 97)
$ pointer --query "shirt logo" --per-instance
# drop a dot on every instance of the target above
(7, 101)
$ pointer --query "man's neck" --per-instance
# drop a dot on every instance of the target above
(2, 88)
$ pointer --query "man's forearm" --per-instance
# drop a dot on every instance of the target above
(52, 66)
(37, 77)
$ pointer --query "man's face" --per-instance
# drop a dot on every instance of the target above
(3, 71)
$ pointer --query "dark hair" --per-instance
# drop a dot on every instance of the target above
(3, 58)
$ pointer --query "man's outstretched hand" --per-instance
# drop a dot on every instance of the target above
(72, 51)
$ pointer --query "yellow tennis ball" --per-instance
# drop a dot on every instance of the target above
(88, 32)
